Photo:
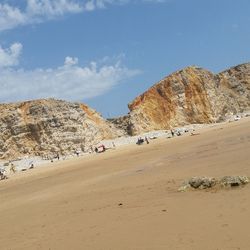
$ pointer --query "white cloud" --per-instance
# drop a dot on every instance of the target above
(69, 61)
(37, 11)
(11, 17)
(69, 82)
(51, 8)
(10, 56)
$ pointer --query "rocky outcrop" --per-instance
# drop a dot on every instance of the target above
(234, 181)
(191, 95)
(123, 123)
(210, 182)
(47, 127)
(235, 91)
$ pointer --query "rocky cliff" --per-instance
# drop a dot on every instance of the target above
(47, 127)
(191, 95)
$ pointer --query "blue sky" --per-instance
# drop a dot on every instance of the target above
(106, 52)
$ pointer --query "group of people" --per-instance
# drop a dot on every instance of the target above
(98, 149)
(57, 156)
(3, 172)
(102, 148)
(141, 140)
(178, 133)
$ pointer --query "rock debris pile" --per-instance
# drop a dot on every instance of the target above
(210, 182)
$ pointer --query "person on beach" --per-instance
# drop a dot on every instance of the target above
(146, 140)
(12, 168)
(100, 149)
(31, 165)
(172, 133)
(103, 148)
(139, 141)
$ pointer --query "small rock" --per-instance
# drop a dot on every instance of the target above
(208, 182)
(184, 187)
(195, 182)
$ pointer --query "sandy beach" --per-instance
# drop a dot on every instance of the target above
(127, 198)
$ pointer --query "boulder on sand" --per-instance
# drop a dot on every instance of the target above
(234, 181)
(202, 182)
(209, 182)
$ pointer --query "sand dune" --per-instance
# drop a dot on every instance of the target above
(127, 198)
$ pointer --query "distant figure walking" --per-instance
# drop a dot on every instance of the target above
(146, 140)
(172, 133)
(31, 165)
(12, 168)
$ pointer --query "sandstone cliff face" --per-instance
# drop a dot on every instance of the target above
(47, 127)
(191, 95)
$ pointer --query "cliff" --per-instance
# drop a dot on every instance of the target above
(47, 127)
(191, 95)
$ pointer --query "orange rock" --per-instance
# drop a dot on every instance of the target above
(192, 95)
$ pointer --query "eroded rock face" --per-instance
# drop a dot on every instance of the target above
(46, 127)
(191, 95)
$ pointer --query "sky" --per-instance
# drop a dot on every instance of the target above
(106, 52)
